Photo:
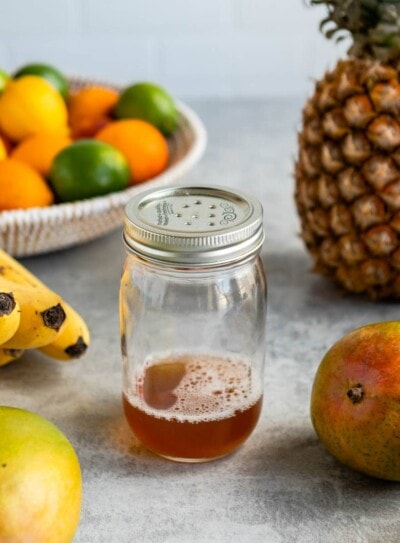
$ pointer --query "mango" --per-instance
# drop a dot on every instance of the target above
(355, 400)
(40, 480)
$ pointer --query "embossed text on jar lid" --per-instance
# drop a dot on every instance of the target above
(194, 226)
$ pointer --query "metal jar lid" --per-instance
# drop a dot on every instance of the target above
(193, 226)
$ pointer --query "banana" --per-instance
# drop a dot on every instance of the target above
(12, 270)
(41, 316)
(9, 355)
(73, 339)
(9, 316)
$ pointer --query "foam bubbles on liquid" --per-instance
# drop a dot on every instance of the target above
(212, 388)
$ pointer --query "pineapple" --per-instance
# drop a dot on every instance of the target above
(348, 166)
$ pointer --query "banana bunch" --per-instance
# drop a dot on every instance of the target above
(34, 317)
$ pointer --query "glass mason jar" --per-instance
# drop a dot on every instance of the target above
(193, 310)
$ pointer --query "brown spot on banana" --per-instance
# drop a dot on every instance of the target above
(77, 349)
(7, 303)
(54, 317)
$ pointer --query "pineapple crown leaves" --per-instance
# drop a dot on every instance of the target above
(373, 24)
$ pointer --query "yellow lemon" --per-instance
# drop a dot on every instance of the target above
(40, 480)
(31, 105)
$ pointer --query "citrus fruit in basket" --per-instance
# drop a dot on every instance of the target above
(3, 149)
(7, 143)
(90, 109)
(48, 72)
(150, 103)
(143, 145)
(39, 150)
(40, 480)
(30, 105)
(4, 79)
(88, 168)
(21, 187)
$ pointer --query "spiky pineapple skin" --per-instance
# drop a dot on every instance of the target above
(347, 176)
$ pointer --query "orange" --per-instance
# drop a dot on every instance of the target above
(3, 149)
(7, 143)
(90, 109)
(38, 151)
(22, 187)
(31, 105)
(143, 145)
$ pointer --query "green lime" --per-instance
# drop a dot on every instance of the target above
(51, 74)
(150, 103)
(4, 79)
(88, 168)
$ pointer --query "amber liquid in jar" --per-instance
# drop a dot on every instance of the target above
(193, 408)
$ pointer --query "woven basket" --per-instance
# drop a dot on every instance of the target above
(42, 230)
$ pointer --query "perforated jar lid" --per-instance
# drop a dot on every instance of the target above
(194, 226)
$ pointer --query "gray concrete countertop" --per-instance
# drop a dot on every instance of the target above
(281, 486)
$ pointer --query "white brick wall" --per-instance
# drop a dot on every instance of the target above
(224, 48)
